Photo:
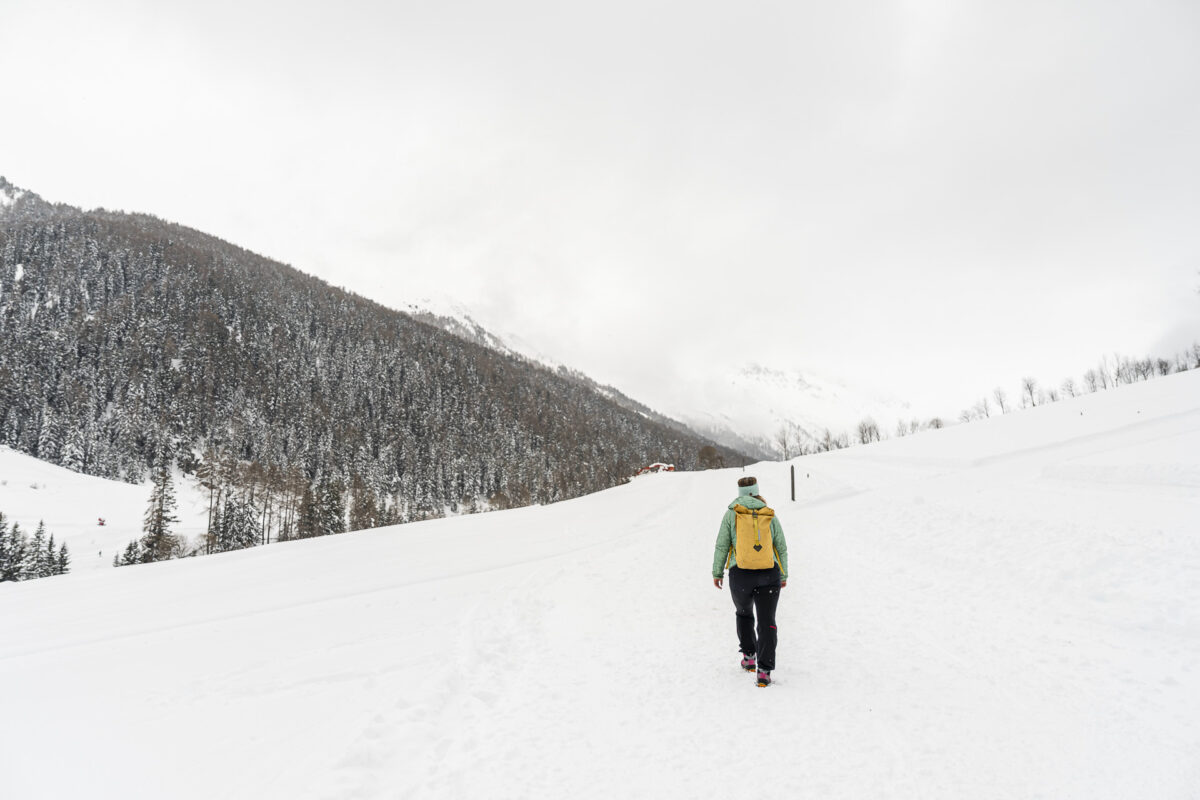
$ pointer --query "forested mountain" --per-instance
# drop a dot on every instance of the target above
(126, 340)
(464, 327)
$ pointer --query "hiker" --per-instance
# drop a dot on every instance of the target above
(751, 544)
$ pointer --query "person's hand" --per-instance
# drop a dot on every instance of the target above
(717, 582)
(783, 583)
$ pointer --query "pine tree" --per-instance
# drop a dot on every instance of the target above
(49, 436)
(309, 518)
(239, 525)
(64, 560)
(4, 547)
(33, 564)
(332, 508)
(72, 456)
(158, 543)
(364, 508)
(50, 559)
(17, 546)
(133, 555)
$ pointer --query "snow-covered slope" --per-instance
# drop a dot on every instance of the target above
(71, 504)
(1004, 609)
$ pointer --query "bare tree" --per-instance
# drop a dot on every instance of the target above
(1124, 370)
(1001, 399)
(901, 428)
(983, 408)
(785, 440)
(1029, 392)
(868, 431)
(1068, 387)
(1106, 373)
(1163, 366)
(1091, 380)
(936, 423)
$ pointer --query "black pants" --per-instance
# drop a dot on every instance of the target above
(756, 591)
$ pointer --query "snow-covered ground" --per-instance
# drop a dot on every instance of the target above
(1006, 609)
(72, 505)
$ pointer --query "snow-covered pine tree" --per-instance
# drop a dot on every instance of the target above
(364, 506)
(18, 544)
(33, 564)
(308, 522)
(158, 542)
(50, 559)
(133, 555)
(64, 560)
(49, 436)
(5, 547)
(238, 525)
(72, 455)
(332, 507)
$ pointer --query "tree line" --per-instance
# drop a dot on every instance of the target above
(1108, 373)
(791, 440)
(24, 558)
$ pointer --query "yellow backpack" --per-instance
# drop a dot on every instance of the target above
(753, 545)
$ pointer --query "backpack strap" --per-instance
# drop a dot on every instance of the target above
(732, 539)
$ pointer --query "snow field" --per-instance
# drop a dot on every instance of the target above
(1004, 609)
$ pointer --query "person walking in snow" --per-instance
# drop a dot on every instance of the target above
(750, 544)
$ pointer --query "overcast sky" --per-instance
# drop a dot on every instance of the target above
(931, 198)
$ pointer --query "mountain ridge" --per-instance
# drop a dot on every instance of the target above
(126, 337)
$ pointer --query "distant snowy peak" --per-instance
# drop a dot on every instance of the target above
(749, 406)
(812, 385)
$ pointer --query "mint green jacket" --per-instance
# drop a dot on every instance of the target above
(725, 548)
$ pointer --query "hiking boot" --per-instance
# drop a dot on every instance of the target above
(748, 663)
(764, 677)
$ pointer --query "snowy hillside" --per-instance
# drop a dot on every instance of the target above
(1006, 609)
(71, 504)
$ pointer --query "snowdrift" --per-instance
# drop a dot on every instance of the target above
(1004, 609)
